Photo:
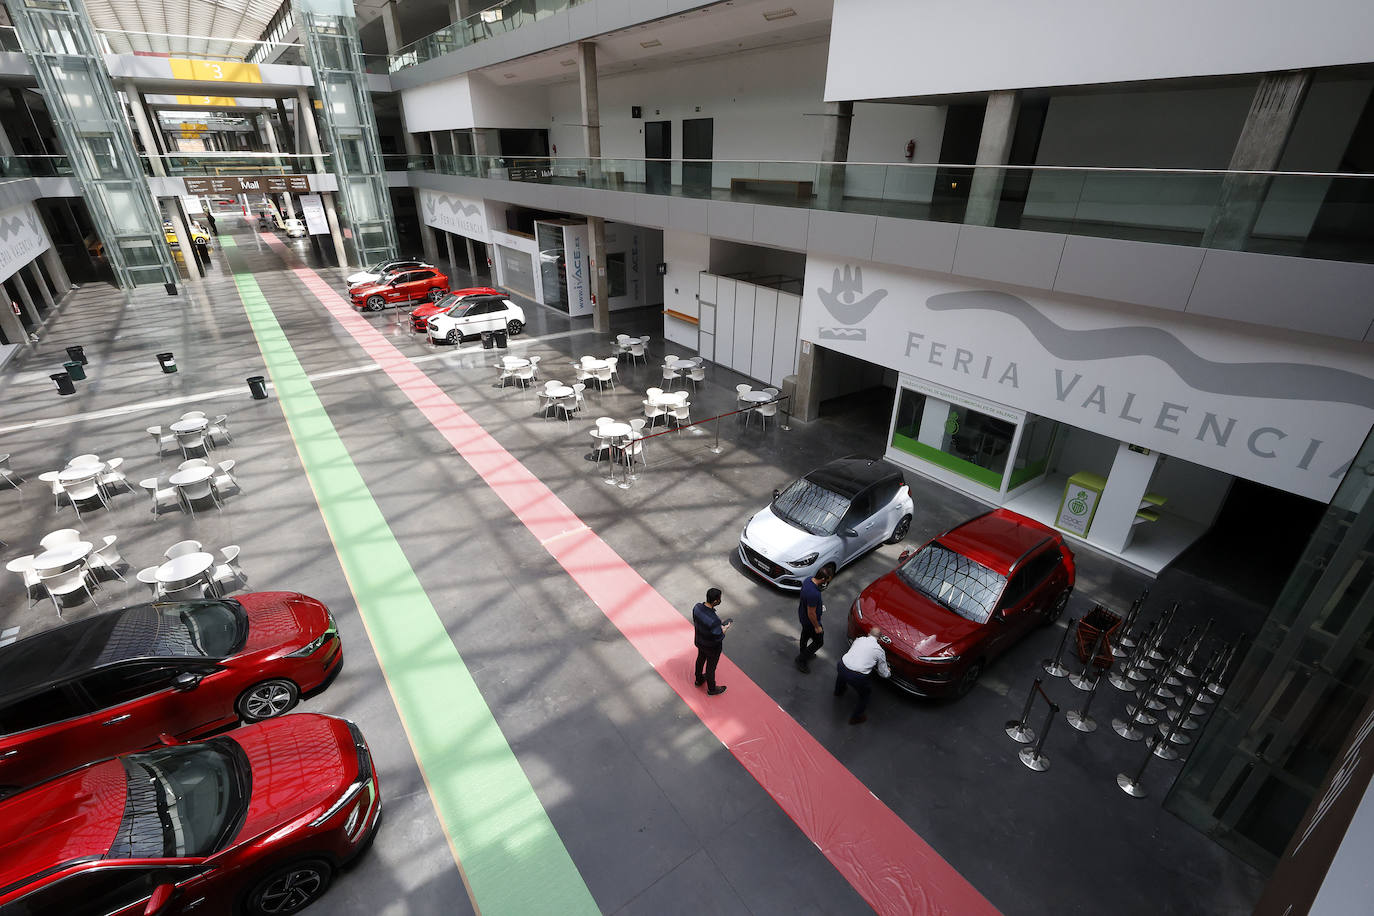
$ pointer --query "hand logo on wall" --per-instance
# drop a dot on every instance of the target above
(846, 302)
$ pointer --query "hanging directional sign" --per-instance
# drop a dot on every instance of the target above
(273, 184)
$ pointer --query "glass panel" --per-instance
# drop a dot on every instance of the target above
(1033, 453)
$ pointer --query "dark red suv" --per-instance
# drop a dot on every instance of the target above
(115, 681)
(966, 597)
(254, 822)
(399, 288)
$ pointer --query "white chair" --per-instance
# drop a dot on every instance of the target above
(50, 478)
(190, 441)
(524, 375)
(583, 373)
(112, 476)
(644, 344)
(193, 463)
(669, 375)
(60, 584)
(637, 351)
(59, 537)
(6, 474)
(82, 490)
(741, 391)
(195, 589)
(696, 375)
(181, 549)
(201, 489)
(653, 411)
(225, 478)
(23, 566)
(604, 375)
(506, 373)
(577, 402)
(765, 411)
(80, 460)
(219, 427)
(772, 392)
(682, 412)
(633, 449)
(534, 364)
(148, 576)
(549, 401)
(161, 496)
(107, 556)
(193, 415)
(163, 442)
(229, 571)
(613, 364)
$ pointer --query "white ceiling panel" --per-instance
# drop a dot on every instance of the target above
(182, 28)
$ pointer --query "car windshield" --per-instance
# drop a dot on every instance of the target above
(199, 629)
(810, 507)
(967, 588)
(187, 800)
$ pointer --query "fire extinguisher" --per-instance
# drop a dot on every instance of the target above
(910, 149)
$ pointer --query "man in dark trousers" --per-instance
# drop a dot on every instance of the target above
(856, 670)
(809, 612)
(710, 639)
(210, 218)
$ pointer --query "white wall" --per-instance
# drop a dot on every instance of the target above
(687, 254)
(895, 48)
(879, 133)
(442, 105)
(1079, 450)
(470, 100)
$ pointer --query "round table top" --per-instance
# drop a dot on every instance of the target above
(758, 397)
(668, 398)
(80, 460)
(514, 362)
(615, 430)
(597, 363)
(80, 472)
(62, 556)
(194, 425)
(20, 564)
(561, 391)
(681, 364)
(188, 476)
(185, 567)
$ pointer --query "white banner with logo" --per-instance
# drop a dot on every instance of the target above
(22, 238)
(315, 221)
(1258, 403)
(456, 214)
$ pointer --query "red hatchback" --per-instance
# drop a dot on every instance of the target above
(420, 315)
(116, 681)
(399, 288)
(254, 822)
(964, 598)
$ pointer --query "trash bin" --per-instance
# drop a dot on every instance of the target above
(257, 386)
(488, 340)
(167, 361)
(78, 353)
(64, 383)
(74, 369)
(500, 338)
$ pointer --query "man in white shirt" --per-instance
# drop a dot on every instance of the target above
(856, 670)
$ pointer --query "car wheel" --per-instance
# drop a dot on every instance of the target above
(375, 303)
(289, 889)
(1056, 610)
(900, 531)
(971, 675)
(267, 700)
(435, 295)
(453, 336)
(514, 326)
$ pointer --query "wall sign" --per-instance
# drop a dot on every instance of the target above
(315, 220)
(214, 71)
(456, 214)
(22, 238)
(1261, 405)
(272, 184)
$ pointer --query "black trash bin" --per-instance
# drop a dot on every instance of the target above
(500, 338)
(488, 340)
(75, 370)
(64, 383)
(257, 386)
(167, 361)
(77, 353)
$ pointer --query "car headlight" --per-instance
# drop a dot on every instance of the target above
(938, 659)
(805, 561)
(856, 610)
(314, 644)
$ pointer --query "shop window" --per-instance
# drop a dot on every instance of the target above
(910, 407)
(971, 444)
(1033, 453)
(615, 275)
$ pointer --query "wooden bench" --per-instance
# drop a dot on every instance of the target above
(801, 189)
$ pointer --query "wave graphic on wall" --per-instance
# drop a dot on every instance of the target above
(1282, 381)
(11, 226)
(456, 207)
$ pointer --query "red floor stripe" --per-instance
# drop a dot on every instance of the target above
(884, 859)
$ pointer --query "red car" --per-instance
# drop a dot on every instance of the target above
(420, 315)
(254, 822)
(399, 288)
(116, 681)
(953, 606)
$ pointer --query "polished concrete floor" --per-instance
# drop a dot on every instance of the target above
(656, 814)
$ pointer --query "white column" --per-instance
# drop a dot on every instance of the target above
(53, 261)
(42, 284)
(332, 216)
(994, 148)
(1127, 485)
(26, 301)
(10, 324)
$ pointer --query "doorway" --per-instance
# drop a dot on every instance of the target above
(658, 144)
(958, 152)
(697, 144)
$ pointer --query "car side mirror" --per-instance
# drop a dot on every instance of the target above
(186, 681)
(849, 533)
(904, 556)
(157, 903)
(777, 493)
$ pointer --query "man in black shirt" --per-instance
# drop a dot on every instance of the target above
(710, 639)
(809, 611)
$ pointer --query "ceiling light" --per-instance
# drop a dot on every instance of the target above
(774, 15)
(511, 76)
(568, 63)
(652, 43)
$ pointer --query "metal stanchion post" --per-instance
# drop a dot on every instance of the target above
(715, 446)
(1052, 666)
(1129, 727)
(1079, 718)
(1031, 756)
(1082, 680)
(1186, 669)
(1017, 729)
(1173, 679)
(787, 416)
(1215, 687)
(1130, 784)
(1164, 749)
(1127, 641)
(1127, 675)
(1157, 654)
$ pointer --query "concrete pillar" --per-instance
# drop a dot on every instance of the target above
(994, 147)
(271, 137)
(26, 300)
(53, 262)
(486, 141)
(286, 127)
(391, 27)
(332, 217)
(472, 258)
(806, 402)
(452, 261)
(186, 246)
(305, 113)
(596, 226)
(6, 148)
(37, 276)
(1114, 519)
(10, 325)
(591, 100)
(145, 131)
(427, 243)
(839, 116)
(1273, 112)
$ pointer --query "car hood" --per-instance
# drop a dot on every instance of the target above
(917, 625)
(282, 620)
(362, 276)
(299, 762)
(366, 289)
(65, 818)
(781, 541)
(428, 309)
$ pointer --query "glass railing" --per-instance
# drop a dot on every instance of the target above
(34, 166)
(195, 164)
(406, 162)
(496, 19)
(1306, 214)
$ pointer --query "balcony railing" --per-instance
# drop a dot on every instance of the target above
(180, 165)
(496, 19)
(1305, 214)
(34, 166)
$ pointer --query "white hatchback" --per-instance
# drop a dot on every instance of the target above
(835, 514)
(475, 315)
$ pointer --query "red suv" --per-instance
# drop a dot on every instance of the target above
(116, 681)
(399, 288)
(964, 598)
(254, 822)
(420, 315)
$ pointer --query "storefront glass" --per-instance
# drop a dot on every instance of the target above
(517, 272)
(955, 437)
(1033, 454)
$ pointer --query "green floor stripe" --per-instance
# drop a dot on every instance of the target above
(512, 858)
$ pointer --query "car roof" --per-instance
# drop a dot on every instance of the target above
(69, 819)
(852, 475)
(997, 539)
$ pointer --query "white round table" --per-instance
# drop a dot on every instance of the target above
(193, 475)
(20, 564)
(757, 397)
(185, 568)
(618, 433)
(194, 425)
(514, 362)
(681, 365)
(80, 472)
(61, 557)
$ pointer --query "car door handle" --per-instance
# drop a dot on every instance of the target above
(127, 715)
(7, 755)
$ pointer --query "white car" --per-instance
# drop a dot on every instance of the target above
(295, 229)
(835, 514)
(374, 273)
(475, 315)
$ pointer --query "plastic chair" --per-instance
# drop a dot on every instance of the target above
(602, 445)
(60, 584)
(193, 415)
(604, 375)
(229, 571)
(163, 442)
(578, 401)
(6, 474)
(741, 391)
(219, 428)
(225, 478)
(524, 375)
(653, 411)
(765, 411)
(160, 495)
(107, 556)
(549, 401)
(696, 375)
(50, 478)
(194, 589)
(637, 352)
(201, 489)
(669, 375)
(181, 549)
(148, 576)
(59, 537)
(189, 441)
(193, 463)
(83, 459)
(681, 412)
(113, 476)
(23, 566)
(82, 490)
